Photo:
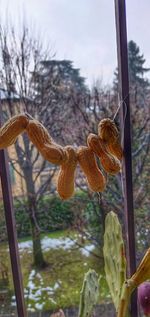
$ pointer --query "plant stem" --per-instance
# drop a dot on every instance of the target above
(127, 289)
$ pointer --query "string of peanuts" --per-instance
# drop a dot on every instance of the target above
(106, 146)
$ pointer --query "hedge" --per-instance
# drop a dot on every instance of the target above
(52, 214)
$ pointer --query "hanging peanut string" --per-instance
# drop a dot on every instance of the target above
(105, 146)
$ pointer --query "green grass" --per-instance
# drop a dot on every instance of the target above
(66, 268)
(54, 234)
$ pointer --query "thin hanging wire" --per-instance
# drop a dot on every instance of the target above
(118, 108)
(120, 104)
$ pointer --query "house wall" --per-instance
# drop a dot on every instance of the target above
(17, 182)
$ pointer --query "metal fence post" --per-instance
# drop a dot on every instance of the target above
(11, 231)
(122, 51)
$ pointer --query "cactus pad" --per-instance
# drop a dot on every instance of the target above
(89, 294)
(114, 257)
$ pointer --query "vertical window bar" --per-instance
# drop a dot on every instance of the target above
(11, 231)
(122, 52)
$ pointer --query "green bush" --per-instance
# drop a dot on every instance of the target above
(54, 214)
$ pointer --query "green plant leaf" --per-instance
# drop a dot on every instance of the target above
(89, 294)
(114, 257)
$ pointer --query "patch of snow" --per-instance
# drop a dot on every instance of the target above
(25, 245)
(47, 244)
(53, 243)
(86, 251)
(31, 285)
(53, 301)
(32, 274)
(39, 306)
(36, 294)
(56, 286)
(32, 310)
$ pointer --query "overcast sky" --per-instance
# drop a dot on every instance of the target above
(83, 30)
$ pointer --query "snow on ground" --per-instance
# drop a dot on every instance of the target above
(55, 243)
(88, 248)
(36, 294)
(64, 243)
(48, 243)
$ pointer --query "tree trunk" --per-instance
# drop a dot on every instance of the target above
(26, 165)
(38, 259)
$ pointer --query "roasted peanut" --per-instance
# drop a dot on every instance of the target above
(109, 163)
(115, 149)
(106, 146)
(94, 144)
(65, 183)
(87, 161)
(40, 137)
(11, 129)
(108, 132)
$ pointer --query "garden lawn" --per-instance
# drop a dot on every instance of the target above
(60, 283)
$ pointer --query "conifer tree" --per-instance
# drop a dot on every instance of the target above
(139, 84)
(136, 63)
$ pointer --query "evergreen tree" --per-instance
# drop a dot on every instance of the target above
(59, 75)
(138, 83)
(136, 63)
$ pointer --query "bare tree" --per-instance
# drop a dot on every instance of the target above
(45, 93)
(19, 56)
(102, 103)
